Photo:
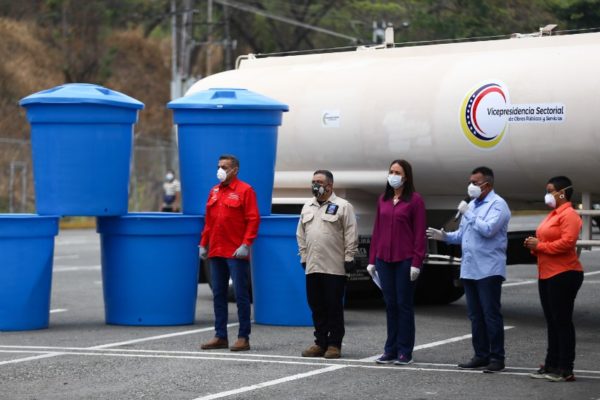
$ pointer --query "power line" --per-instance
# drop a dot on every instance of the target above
(254, 10)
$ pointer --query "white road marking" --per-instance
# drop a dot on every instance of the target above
(65, 268)
(66, 256)
(534, 281)
(169, 335)
(325, 370)
(18, 360)
(270, 383)
(118, 344)
(435, 344)
(57, 310)
(239, 357)
(71, 241)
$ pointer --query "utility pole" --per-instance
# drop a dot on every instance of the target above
(209, 39)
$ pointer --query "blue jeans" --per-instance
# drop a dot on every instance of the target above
(220, 270)
(398, 293)
(487, 324)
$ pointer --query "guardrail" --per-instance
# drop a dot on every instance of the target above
(586, 240)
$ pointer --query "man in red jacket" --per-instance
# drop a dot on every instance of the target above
(231, 225)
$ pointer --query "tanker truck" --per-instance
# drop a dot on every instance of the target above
(524, 107)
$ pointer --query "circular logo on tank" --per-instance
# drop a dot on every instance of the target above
(482, 116)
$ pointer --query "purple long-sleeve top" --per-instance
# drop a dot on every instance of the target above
(399, 231)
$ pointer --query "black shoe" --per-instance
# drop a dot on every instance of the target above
(494, 366)
(474, 363)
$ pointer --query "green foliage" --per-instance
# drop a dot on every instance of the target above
(577, 14)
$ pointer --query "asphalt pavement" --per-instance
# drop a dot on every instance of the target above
(81, 357)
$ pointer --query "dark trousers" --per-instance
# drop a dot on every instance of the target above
(398, 293)
(557, 295)
(487, 324)
(325, 293)
(239, 270)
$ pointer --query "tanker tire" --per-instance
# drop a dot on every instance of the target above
(438, 285)
(230, 291)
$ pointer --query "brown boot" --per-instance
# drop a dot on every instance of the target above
(313, 351)
(333, 352)
(215, 343)
(241, 344)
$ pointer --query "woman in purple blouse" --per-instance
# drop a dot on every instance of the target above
(397, 250)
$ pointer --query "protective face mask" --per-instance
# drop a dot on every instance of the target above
(221, 174)
(550, 200)
(169, 177)
(395, 181)
(318, 190)
(474, 191)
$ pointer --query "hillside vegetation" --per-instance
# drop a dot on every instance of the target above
(133, 65)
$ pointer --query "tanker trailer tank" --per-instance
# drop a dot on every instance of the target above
(524, 107)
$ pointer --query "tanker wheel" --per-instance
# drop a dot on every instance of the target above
(230, 291)
(438, 284)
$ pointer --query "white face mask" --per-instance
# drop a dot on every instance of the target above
(550, 200)
(395, 181)
(169, 177)
(474, 191)
(221, 174)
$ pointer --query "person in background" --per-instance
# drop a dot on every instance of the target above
(483, 235)
(560, 276)
(231, 225)
(327, 241)
(171, 193)
(397, 251)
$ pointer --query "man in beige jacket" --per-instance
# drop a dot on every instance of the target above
(327, 240)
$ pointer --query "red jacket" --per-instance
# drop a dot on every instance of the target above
(231, 219)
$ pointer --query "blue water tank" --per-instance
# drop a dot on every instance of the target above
(226, 121)
(81, 140)
(278, 280)
(27, 248)
(150, 268)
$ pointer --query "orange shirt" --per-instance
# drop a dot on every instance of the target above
(232, 218)
(557, 235)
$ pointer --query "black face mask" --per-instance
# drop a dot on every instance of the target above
(318, 190)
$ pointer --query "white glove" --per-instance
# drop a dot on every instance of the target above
(202, 252)
(414, 273)
(371, 270)
(241, 252)
(463, 206)
(436, 234)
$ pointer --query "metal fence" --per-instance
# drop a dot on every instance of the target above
(150, 161)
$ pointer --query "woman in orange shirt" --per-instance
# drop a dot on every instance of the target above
(560, 277)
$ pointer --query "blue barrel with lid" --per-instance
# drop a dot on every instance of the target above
(214, 122)
(81, 141)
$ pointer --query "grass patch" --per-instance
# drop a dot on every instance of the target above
(78, 223)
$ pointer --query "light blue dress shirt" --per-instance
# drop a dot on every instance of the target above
(483, 235)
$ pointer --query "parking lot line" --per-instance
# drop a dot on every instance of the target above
(270, 383)
(534, 281)
(103, 346)
(435, 344)
(65, 268)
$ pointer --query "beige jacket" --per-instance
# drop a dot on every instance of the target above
(327, 235)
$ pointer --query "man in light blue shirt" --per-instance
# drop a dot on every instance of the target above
(483, 236)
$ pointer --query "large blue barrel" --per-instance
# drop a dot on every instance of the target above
(150, 268)
(226, 121)
(27, 248)
(278, 280)
(81, 137)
